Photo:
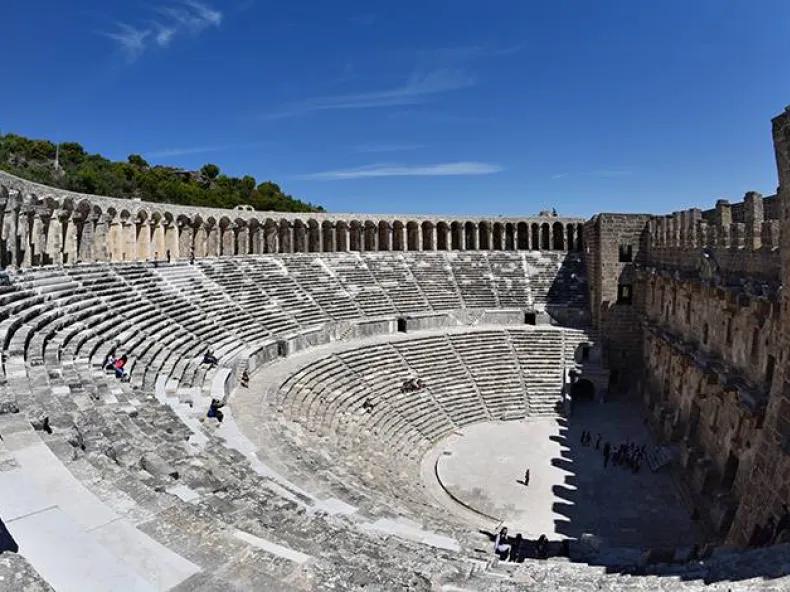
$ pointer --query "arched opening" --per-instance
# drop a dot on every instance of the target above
(341, 236)
(571, 241)
(559, 236)
(579, 241)
(522, 239)
(300, 237)
(498, 237)
(270, 236)
(469, 236)
(397, 235)
(484, 244)
(510, 237)
(427, 236)
(441, 236)
(384, 236)
(370, 236)
(285, 236)
(457, 234)
(355, 236)
(545, 243)
(583, 390)
(413, 236)
(313, 237)
(328, 237)
(535, 237)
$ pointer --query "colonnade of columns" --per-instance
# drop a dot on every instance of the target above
(33, 234)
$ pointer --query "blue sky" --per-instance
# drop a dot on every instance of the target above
(438, 106)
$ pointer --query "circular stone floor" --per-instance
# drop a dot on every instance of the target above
(570, 493)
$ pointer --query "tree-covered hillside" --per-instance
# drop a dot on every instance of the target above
(92, 173)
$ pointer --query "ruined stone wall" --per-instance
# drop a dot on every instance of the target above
(743, 238)
(769, 481)
(614, 246)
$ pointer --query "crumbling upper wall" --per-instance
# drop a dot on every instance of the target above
(743, 238)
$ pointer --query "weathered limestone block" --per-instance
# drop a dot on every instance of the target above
(157, 466)
(17, 575)
(8, 403)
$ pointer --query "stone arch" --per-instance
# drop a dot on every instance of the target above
(457, 236)
(498, 238)
(558, 236)
(284, 236)
(571, 237)
(545, 237)
(442, 230)
(341, 236)
(240, 231)
(397, 236)
(300, 236)
(255, 233)
(470, 243)
(384, 236)
(355, 236)
(535, 245)
(427, 228)
(371, 236)
(328, 237)
(412, 236)
(510, 236)
(484, 231)
(579, 237)
(227, 237)
(522, 236)
(313, 236)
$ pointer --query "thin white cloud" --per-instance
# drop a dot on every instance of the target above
(374, 148)
(187, 16)
(169, 152)
(419, 88)
(559, 176)
(391, 170)
(131, 40)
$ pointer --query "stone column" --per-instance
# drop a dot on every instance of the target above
(270, 238)
(54, 246)
(114, 237)
(753, 215)
(38, 240)
(201, 240)
(243, 240)
(143, 241)
(101, 231)
(86, 240)
(171, 241)
(386, 244)
(186, 242)
(212, 241)
(228, 241)
(70, 247)
(476, 236)
(157, 247)
(23, 230)
(399, 230)
(9, 231)
(723, 221)
(430, 243)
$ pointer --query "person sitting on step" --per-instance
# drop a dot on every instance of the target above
(209, 358)
(214, 409)
(502, 544)
(542, 547)
(109, 362)
(245, 379)
(120, 364)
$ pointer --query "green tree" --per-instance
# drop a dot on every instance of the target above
(210, 170)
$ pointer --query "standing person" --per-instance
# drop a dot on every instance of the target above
(607, 450)
(191, 256)
(156, 258)
(598, 441)
(168, 255)
(526, 478)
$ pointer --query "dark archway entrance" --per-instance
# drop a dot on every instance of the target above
(582, 390)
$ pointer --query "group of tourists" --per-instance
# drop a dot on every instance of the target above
(772, 532)
(117, 365)
(517, 548)
(628, 455)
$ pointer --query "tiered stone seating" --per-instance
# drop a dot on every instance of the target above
(495, 370)
(569, 287)
(475, 282)
(316, 279)
(393, 274)
(510, 277)
(271, 276)
(249, 295)
(540, 355)
(436, 363)
(359, 283)
(435, 278)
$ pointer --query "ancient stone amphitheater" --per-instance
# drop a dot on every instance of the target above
(326, 474)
